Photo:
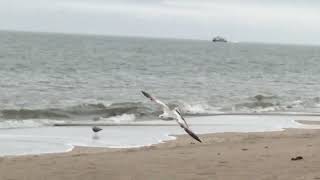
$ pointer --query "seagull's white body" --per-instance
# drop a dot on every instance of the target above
(180, 120)
(173, 114)
(167, 114)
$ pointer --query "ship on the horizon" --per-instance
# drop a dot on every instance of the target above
(219, 39)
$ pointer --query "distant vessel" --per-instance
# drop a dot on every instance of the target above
(219, 39)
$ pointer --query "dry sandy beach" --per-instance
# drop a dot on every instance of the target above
(225, 156)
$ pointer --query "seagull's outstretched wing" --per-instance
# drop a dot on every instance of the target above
(192, 134)
(181, 118)
(183, 124)
(165, 108)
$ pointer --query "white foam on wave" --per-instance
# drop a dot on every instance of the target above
(120, 118)
(198, 108)
(72, 103)
(267, 109)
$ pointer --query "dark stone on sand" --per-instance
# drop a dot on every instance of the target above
(244, 149)
(297, 158)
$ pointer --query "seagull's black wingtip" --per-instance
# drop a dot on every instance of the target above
(198, 139)
(193, 135)
(146, 94)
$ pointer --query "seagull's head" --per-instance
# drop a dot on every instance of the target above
(161, 116)
(165, 117)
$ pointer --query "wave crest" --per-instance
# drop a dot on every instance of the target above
(130, 111)
(83, 111)
(29, 123)
(119, 118)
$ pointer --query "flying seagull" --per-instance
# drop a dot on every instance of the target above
(172, 114)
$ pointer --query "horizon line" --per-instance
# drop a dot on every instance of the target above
(149, 37)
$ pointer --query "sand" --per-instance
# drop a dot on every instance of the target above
(308, 122)
(223, 156)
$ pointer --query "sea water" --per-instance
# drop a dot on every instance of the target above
(57, 78)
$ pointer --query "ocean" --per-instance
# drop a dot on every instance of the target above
(49, 78)
(74, 77)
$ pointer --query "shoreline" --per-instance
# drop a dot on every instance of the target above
(306, 124)
(89, 149)
(241, 156)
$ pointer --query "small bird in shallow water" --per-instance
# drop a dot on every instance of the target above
(96, 129)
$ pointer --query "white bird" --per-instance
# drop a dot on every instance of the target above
(169, 114)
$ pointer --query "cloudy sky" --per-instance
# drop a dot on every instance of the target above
(276, 21)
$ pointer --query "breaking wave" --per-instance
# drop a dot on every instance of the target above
(127, 111)
(119, 118)
(135, 111)
(83, 111)
(29, 123)
(264, 103)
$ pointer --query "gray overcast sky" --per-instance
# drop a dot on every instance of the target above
(286, 21)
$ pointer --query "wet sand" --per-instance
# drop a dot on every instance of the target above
(222, 156)
(308, 122)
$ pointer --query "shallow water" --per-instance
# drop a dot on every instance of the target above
(61, 139)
